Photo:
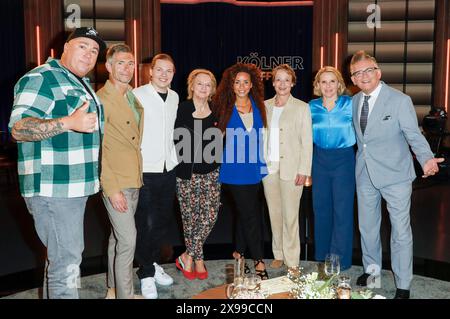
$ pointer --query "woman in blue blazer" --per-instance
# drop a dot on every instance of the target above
(239, 106)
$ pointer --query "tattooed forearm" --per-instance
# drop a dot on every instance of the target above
(33, 129)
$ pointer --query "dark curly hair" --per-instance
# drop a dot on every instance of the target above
(224, 99)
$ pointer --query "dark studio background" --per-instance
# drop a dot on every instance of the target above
(211, 36)
(12, 55)
(214, 35)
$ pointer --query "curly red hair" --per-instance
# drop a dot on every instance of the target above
(224, 99)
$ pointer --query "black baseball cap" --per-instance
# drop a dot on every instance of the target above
(88, 32)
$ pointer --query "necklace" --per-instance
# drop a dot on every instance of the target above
(329, 104)
(278, 102)
(246, 108)
(202, 108)
(202, 111)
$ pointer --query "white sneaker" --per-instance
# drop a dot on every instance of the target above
(161, 277)
(148, 288)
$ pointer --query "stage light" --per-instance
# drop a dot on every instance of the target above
(321, 57)
(336, 47)
(244, 3)
(447, 76)
(135, 53)
(38, 45)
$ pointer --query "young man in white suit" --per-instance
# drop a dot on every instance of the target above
(386, 126)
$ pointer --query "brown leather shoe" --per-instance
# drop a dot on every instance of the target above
(275, 264)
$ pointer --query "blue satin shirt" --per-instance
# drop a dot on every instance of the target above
(334, 129)
(242, 161)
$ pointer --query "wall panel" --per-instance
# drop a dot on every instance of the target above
(403, 45)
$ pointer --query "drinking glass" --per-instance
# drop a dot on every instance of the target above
(237, 290)
(239, 270)
(332, 265)
(252, 282)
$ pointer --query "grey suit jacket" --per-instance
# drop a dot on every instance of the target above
(384, 148)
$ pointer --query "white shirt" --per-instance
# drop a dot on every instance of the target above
(274, 141)
(247, 119)
(372, 100)
(159, 119)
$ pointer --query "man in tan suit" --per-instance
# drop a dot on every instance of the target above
(121, 175)
(288, 153)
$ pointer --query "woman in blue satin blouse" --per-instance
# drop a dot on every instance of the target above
(333, 168)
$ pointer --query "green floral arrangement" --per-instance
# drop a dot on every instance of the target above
(308, 287)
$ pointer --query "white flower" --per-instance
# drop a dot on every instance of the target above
(308, 287)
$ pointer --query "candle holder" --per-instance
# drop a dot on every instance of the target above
(344, 289)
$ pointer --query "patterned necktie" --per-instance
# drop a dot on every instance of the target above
(364, 113)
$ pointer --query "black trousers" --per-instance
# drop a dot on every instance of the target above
(154, 212)
(249, 231)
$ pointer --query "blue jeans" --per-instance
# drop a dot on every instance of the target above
(59, 225)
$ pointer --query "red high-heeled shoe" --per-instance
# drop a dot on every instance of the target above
(202, 275)
(191, 275)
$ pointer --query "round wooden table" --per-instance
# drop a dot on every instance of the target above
(220, 292)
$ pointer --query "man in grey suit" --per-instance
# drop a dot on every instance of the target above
(386, 126)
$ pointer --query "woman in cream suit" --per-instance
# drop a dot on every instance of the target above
(288, 154)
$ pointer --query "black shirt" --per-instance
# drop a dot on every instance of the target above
(163, 95)
(196, 163)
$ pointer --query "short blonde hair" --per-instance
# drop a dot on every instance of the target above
(359, 56)
(341, 87)
(287, 68)
(193, 75)
(162, 56)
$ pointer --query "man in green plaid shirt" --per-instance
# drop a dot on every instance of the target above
(57, 120)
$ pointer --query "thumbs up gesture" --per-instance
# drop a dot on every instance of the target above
(80, 120)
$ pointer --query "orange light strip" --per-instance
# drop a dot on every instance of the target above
(135, 53)
(244, 3)
(52, 53)
(447, 79)
(38, 45)
(336, 48)
(321, 57)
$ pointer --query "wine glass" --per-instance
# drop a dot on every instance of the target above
(252, 282)
(332, 265)
(239, 269)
